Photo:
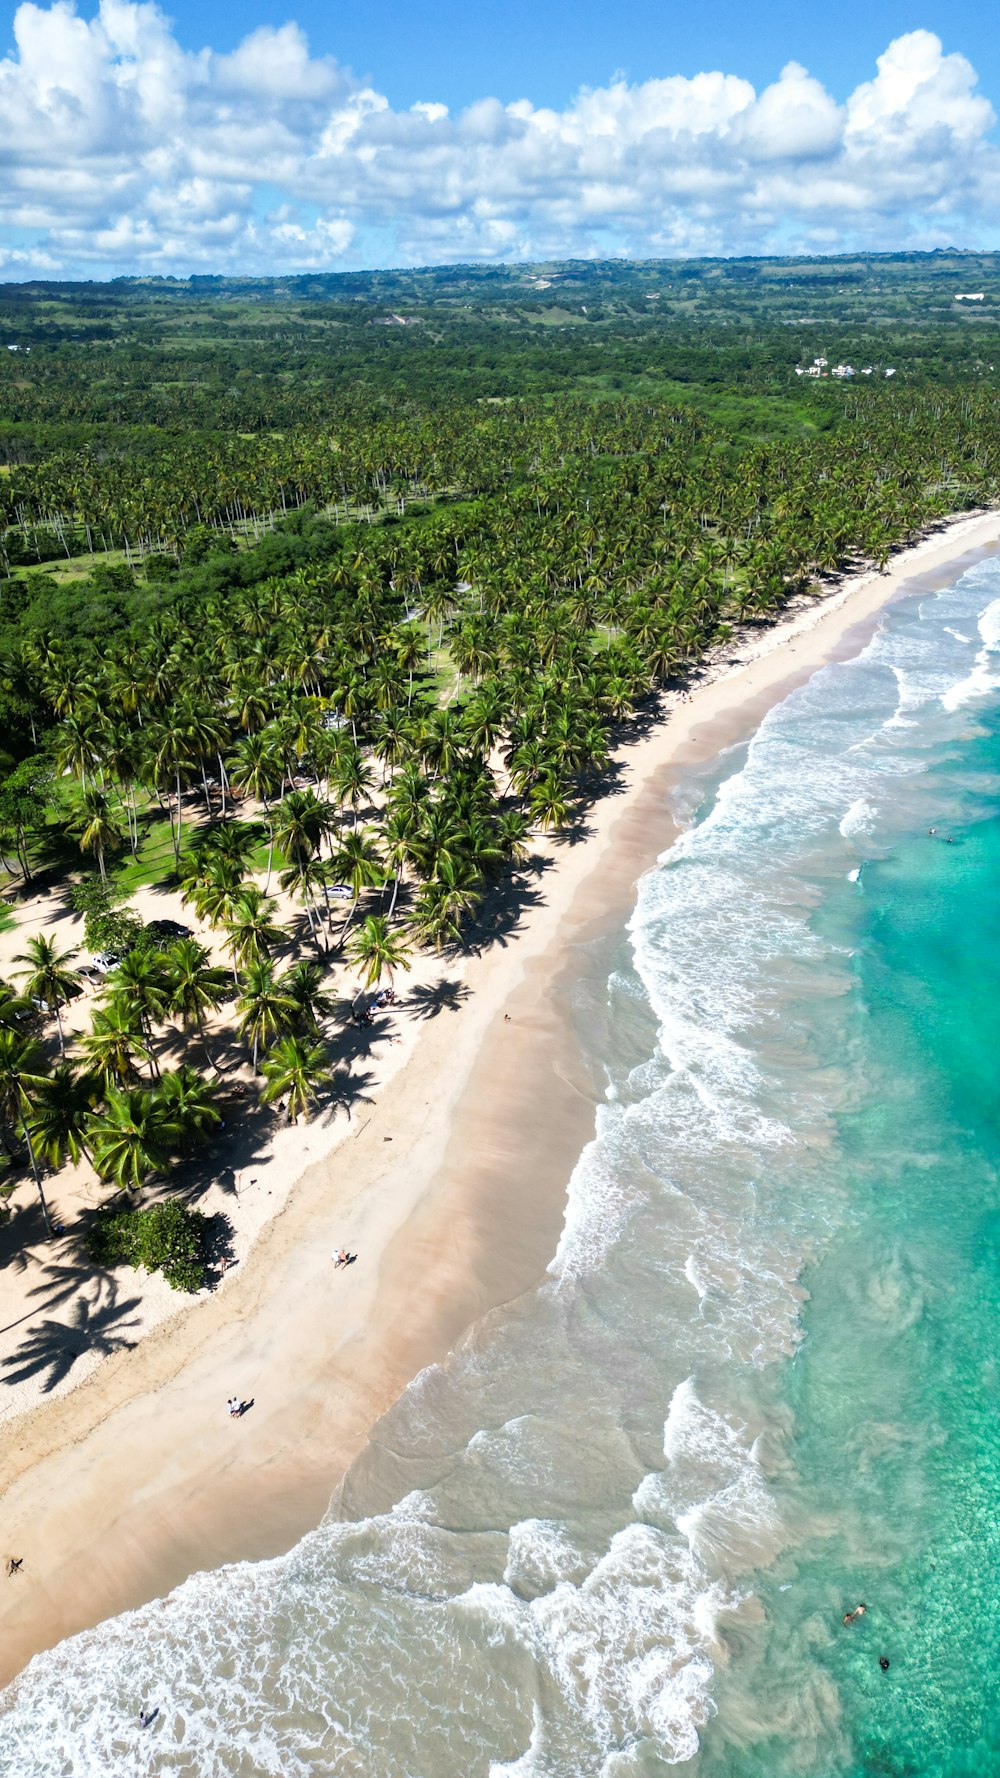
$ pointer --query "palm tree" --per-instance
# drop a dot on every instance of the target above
(352, 780)
(266, 1008)
(357, 862)
(23, 1073)
(297, 1070)
(251, 929)
(196, 986)
(303, 984)
(188, 1100)
(132, 1136)
(301, 822)
(140, 984)
(14, 1008)
(113, 1043)
(48, 977)
(377, 949)
(445, 904)
(213, 884)
(97, 826)
(59, 1122)
(548, 802)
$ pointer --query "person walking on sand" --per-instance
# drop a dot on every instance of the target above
(341, 1258)
(15, 1564)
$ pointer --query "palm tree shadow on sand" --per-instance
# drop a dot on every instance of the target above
(427, 1001)
(96, 1325)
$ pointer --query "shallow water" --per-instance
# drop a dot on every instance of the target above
(617, 1532)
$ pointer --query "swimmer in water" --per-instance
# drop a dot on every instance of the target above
(849, 1616)
(883, 1662)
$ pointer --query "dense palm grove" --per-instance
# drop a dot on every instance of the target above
(360, 666)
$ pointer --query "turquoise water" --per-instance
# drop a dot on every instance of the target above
(895, 1391)
(615, 1535)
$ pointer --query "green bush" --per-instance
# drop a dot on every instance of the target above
(165, 1238)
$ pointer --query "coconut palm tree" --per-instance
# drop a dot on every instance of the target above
(15, 1009)
(303, 984)
(357, 862)
(295, 1070)
(141, 985)
(48, 977)
(549, 803)
(444, 905)
(97, 827)
(251, 930)
(114, 1042)
(376, 950)
(301, 823)
(197, 986)
(23, 1073)
(133, 1135)
(266, 1008)
(60, 1119)
(188, 1100)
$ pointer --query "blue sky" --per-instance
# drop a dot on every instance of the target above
(137, 139)
(457, 50)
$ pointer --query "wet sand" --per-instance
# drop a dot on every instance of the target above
(450, 1188)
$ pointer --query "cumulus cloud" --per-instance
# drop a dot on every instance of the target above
(122, 151)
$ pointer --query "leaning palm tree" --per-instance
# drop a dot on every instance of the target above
(59, 1121)
(48, 977)
(295, 1070)
(266, 1009)
(132, 1136)
(23, 1073)
(377, 950)
(196, 986)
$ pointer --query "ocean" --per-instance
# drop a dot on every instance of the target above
(615, 1536)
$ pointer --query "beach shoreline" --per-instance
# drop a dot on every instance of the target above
(451, 1189)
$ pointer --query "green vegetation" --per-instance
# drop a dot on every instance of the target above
(322, 596)
(165, 1238)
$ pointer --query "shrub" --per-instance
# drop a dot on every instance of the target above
(165, 1238)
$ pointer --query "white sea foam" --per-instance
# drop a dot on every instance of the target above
(858, 820)
(985, 675)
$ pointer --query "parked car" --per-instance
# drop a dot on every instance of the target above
(106, 960)
(165, 932)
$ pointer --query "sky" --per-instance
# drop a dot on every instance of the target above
(136, 140)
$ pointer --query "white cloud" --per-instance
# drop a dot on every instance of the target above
(120, 150)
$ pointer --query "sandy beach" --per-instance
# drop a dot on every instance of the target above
(447, 1179)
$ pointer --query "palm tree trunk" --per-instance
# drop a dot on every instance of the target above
(213, 1064)
(342, 934)
(177, 836)
(59, 1028)
(38, 1180)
